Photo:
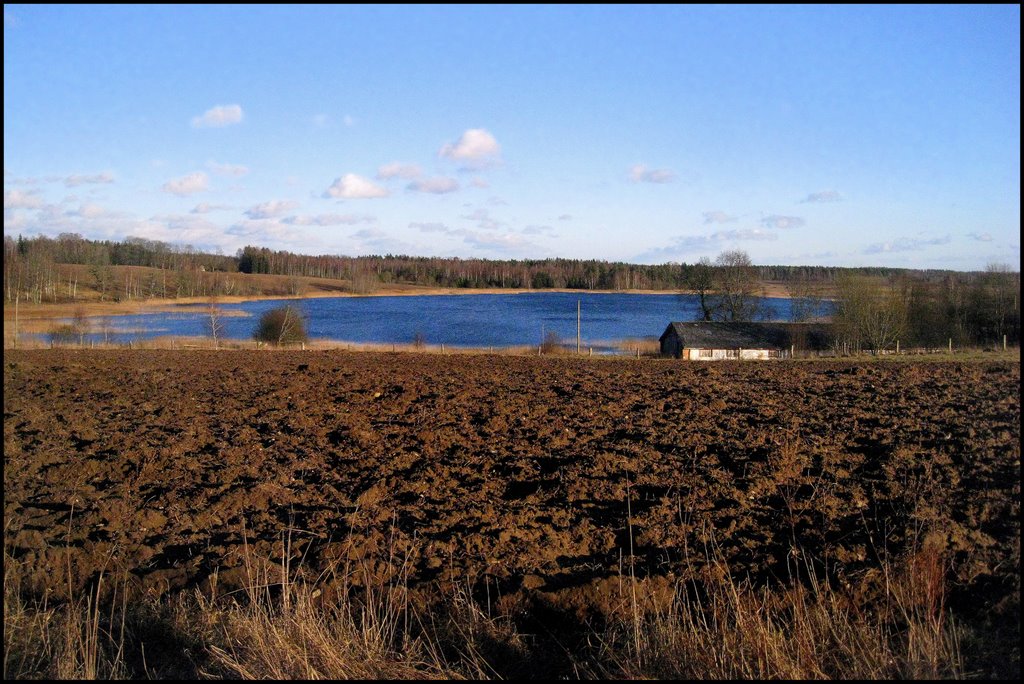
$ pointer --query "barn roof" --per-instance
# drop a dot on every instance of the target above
(748, 335)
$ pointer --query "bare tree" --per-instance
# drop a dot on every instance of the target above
(213, 322)
(804, 301)
(702, 282)
(869, 313)
(736, 283)
(80, 323)
(106, 329)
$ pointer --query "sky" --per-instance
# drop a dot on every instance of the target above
(803, 135)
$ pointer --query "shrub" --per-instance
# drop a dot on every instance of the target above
(283, 325)
(552, 343)
(62, 334)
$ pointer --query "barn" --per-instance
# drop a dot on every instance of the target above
(712, 340)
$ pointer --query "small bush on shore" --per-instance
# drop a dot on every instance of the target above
(280, 326)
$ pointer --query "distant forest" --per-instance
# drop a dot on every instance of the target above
(928, 306)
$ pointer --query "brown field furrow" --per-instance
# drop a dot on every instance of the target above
(529, 477)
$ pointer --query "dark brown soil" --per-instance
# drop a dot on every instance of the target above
(521, 478)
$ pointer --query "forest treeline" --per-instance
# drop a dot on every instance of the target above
(925, 307)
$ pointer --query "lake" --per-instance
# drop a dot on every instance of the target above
(485, 320)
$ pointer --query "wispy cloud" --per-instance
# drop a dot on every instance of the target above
(687, 246)
(639, 173)
(475, 147)
(905, 245)
(565, 217)
(483, 219)
(20, 199)
(218, 117)
(717, 217)
(227, 169)
(329, 220)
(353, 186)
(783, 222)
(399, 170)
(268, 230)
(271, 209)
(206, 208)
(430, 227)
(89, 211)
(188, 184)
(823, 196)
(508, 242)
(539, 230)
(435, 186)
(75, 180)
(980, 237)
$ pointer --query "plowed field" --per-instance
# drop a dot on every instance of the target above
(526, 478)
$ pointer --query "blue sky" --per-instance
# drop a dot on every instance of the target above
(877, 135)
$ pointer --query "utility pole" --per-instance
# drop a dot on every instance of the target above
(577, 327)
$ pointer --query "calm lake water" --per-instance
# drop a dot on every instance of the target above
(498, 320)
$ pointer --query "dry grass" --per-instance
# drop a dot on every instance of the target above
(277, 628)
(727, 629)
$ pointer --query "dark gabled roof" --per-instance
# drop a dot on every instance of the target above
(746, 335)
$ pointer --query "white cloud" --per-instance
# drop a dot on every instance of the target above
(267, 231)
(539, 230)
(271, 209)
(399, 170)
(479, 183)
(905, 245)
(639, 173)
(329, 220)
(353, 186)
(349, 120)
(565, 217)
(89, 211)
(476, 146)
(823, 196)
(227, 169)
(981, 237)
(775, 221)
(219, 116)
(19, 199)
(508, 242)
(436, 186)
(431, 227)
(483, 220)
(15, 220)
(206, 208)
(76, 180)
(369, 234)
(186, 185)
(690, 245)
(717, 217)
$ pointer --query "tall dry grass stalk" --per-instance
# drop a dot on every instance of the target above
(727, 629)
(351, 624)
(76, 639)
